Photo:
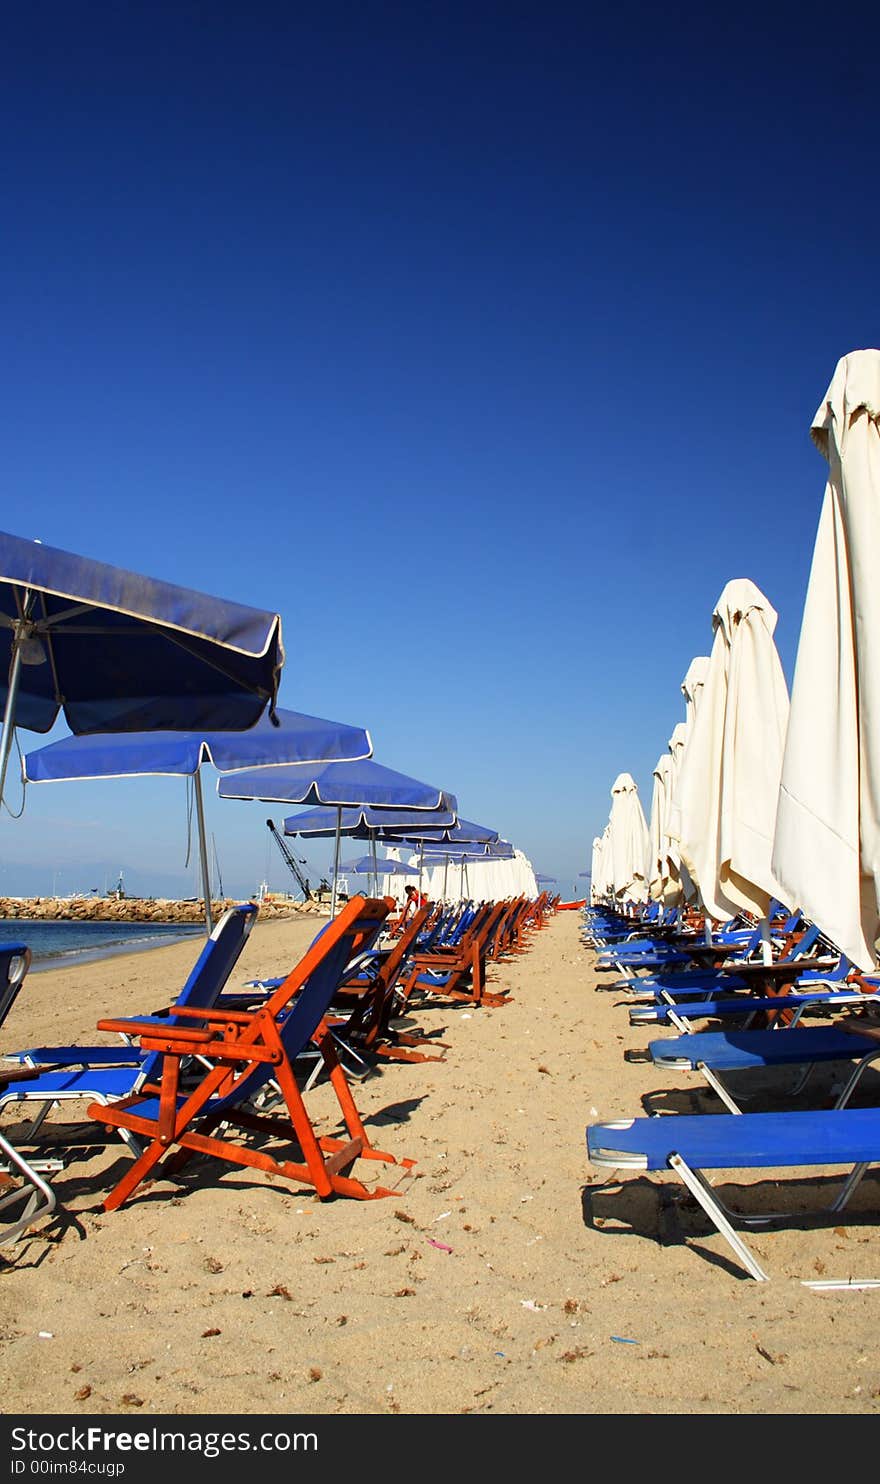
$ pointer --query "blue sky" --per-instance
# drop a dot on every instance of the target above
(480, 341)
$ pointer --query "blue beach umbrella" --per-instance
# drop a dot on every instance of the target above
(295, 738)
(501, 850)
(340, 785)
(461, 832)
(365, 823)
(114, 651)
(366, 866)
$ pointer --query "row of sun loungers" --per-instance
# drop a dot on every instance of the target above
(760, 993)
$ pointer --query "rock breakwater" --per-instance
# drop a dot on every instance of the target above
(138, 909)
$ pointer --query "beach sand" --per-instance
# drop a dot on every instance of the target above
(504, 1276)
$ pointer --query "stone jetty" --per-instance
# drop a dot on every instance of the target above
(141, 909)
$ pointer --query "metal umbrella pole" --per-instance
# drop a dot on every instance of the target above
(12, 693)
(336, 862)
(203, 852)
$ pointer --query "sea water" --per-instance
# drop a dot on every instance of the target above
(55, 944)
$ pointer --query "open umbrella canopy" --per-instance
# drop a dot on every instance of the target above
(826, 848)
(344, 785)
(115, 651)
(340, 784)
(297, 738)
(365, 823)
(467, 850)
(366, 866)
(461, 831)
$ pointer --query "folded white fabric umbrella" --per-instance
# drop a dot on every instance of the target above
(826, 851)
(728, 788)
(692, 685)
(660, 882)
(629, 841)
(600, 882)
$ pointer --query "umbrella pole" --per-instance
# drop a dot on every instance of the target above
(421, 858)
(445, 874)
(203, 852)
(375, 865)
(335, 863)
(9, 716)
(14, 681)
(766, 943)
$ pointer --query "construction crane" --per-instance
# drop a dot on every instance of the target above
(291, 861)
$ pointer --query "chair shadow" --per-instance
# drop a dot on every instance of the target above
(668, 1214)
(670, 1100)
(393, 1113)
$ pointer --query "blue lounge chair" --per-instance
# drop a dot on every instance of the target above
(746, 1006)
(27, 1194)
(15, 960)
(712, 1053)
(105, 1074)
(689, 1144)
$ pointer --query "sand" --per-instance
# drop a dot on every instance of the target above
(504, 1276)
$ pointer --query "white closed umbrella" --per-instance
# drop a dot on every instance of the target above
(630, 842)
(692, 686)
(595, 870)
(826, 851)
(659, 876)
(680, 883)
(728, 788)
(599, 884)
(525, 880)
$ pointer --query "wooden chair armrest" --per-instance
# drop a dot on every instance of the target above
(218, 1016)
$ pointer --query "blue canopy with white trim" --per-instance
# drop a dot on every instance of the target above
(116, 651)
(297, 738)
(339, 784)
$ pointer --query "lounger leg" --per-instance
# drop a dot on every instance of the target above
(854, 1180)
(702, 1193)
(854, 1077)
(41, 1201)
(717, 1085)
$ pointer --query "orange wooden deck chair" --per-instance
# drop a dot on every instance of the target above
(372, 1001)
(459, 973)
(507, 936)
(245, 1052)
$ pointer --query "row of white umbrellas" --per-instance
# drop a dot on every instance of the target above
(477, 879)
(759, 797)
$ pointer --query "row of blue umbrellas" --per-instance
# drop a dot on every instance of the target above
(155, 679)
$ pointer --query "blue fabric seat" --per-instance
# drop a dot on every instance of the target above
(97, 1073)
(712, 1053)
